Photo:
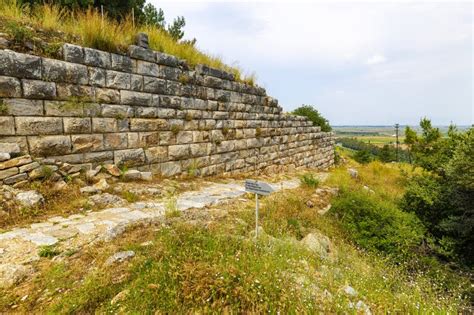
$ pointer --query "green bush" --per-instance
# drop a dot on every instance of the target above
(313, 115)
(376, 224)
(363, 157)
(309, 180)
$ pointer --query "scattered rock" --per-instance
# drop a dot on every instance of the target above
(147, 243)
(112, 169)
(4, 156)
(324, 210)
(119, 297)
(59, 185)
(309, 204)
(4, 43)
(353, 172)
(119, 257)
(29, 198)
(146, 176)
(11, 274)
(89, 190)
(91, 173)
(361, 306)
(101, 185)
(349, 290)
(132, 175)
(318, 243)
(107, 199)
(366, 188)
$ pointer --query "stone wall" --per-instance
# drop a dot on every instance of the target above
(149, 110)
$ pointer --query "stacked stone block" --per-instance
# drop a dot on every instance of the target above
(148, 110)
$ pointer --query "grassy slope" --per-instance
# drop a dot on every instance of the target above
(207, 261)
(49, 22)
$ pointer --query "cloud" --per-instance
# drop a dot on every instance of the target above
(376, 59)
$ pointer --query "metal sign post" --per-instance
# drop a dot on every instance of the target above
(258, 188)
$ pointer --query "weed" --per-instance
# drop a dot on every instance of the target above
(258, 132)
(171, 208)
(130, 196)
(3, 108)
(175, 129)
(19, 32)
(309, 180)
(225, 131)
(48, 251)
(193, 168)
(53, 50)
(46, 171)
(188, 116)
(184, 78)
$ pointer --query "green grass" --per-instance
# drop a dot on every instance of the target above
(309, 180)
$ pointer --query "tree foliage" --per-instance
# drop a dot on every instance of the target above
(154, 17)
(313, 115)
(176, 28)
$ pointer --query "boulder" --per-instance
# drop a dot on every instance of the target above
(11, 274)
(101, 185)
(119, 257)
(132, 175)
(89, 190)
(348, 290)
(353, 172)
(318, 243)
(112, 169)
(29, 198)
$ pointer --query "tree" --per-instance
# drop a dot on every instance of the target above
(176, 28)
(313, 115)
(154, 17)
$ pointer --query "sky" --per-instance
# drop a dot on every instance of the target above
(358, 63)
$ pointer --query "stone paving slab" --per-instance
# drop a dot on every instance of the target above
(21, 245)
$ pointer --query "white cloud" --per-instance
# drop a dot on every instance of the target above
(376, 59)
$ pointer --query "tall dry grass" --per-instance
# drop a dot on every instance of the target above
(92, 30)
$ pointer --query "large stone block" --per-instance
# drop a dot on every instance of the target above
(129, 157)
(38, 125)
(156, 154)
(136, 82)
(73, 53)
(200, 149)
(23, 107)
(97, 58)
(116, 111)
(166, 113)
(154, 85)
(146, 112)
(143, 124)
(38, 89)
(184, 137)
(61, 71)
(9, 172)
(20, 65)
(148, 139)
(170, 73)
(18, 161)
(49, 145)
(170, 168)
(72, 91)
(7, 126)
(165, 59)
(13, 145)
(10, 87)
(178, 151)
(96, 76)
(117, 80)
(104, 124)
(67, 108)
(141, 53)
(87, 143)
(105, 95)
(135, 98)
(116, 141)
(121, 63)
(148, 68)
(77, 125)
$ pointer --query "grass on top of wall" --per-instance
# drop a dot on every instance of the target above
(89, 29)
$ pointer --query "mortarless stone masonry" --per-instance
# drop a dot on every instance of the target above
(146, 110)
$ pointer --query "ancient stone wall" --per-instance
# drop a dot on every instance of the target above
(149, 110)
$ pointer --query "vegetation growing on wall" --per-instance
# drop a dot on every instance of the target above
(312, 114)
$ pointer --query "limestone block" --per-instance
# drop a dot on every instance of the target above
(154, 85)
(28, 167)
(156, 154)
(133, 140)
(149, 138)
(97, 58)
(105, 95)
(49, 145)
(143, 124)
(19, 65)
(136, 82)
(73, 53)
(166, 113)
(38, 125)
(148, 68)
(8, 172)
(72, 91)
(170, 101)
(170, 168)
(77, 125)
(9, 87)
(141, 53)
(116, 111)
(115, 141)
(104, 124)
(7, 125)
(200, 149)
(38, 89)
(135, 98)
(15, 179)
(117, 80)
(67, 108)
(96, 76)
(146, 112)
(129, 157)
(184, 137)
(170, 73)
(167, 138)
(165, 59)
(23, 107)
(61, 71)
(178, 151)
(87, 143)
(12, 148)
(121, 63)
(15, 162)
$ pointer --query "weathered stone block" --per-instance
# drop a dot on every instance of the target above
(115, 141)
(7, 126)
(178, 151)
(38, 125)
(166, 113)
(72, 91)
(117, 80)
(77, 125)
(96, 76)
(184, 137)
(10, 87)
(143, 124)
(15, 179)
(23, 107)
(170, 101)
(15, 162)
(146, 112)
(105, 95)
(73, 53)
(38, 89)
(19, 65)
(121, 63)
(8, 172)
(148, 68)
(170, 168)
(135, 98)
(104, 124)
(141, 53)
(29, 167)
(154, 85)
(61, 71)
(129, 157)
(200, 149)
(97, 58)
(67, 108)
(170, 73)
(117, 111)
(156, 154)
(136, 82)
(165, 59)
(49, 145)
(148, 139)
(11, 148)
(87, 143)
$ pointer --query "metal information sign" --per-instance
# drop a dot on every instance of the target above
(258, 188)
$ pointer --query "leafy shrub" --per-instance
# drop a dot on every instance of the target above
(363, 157)
(314, 116)
(309, 180)
(376, 224)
